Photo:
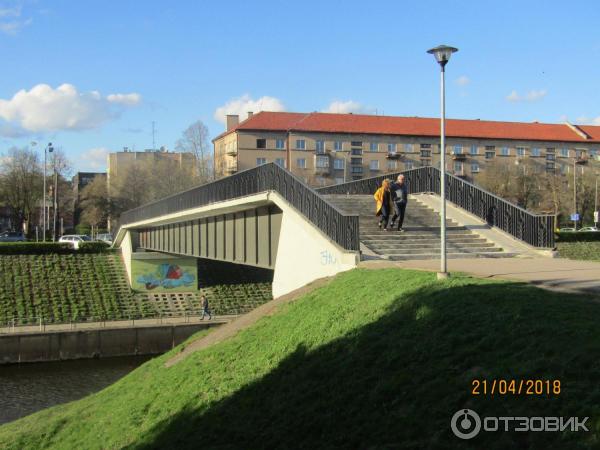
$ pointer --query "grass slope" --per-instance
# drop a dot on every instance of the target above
(376, 359)
(585, 251)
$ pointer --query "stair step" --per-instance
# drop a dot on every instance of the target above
(454, 256)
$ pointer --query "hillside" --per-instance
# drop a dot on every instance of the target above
(375, 359)
(93, 286)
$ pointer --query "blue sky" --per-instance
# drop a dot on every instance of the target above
(128, 63)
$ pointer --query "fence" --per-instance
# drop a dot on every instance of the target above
(534, 229)
(41, 324)
(340, 227)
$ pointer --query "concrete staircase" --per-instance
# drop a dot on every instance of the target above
(421, 238)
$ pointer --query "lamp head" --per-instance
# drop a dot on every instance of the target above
(442, 53)
(50, 148)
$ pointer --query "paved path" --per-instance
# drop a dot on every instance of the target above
(550, 273)
(138, 323)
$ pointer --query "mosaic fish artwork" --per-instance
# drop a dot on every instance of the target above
(167, 276)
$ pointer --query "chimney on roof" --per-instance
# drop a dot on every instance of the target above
(250, 114)
(232, 121)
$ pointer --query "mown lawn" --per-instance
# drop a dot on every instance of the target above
(588, 251)
(377, 359)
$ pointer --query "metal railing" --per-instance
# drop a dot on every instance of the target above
(534, 229)
(42, 324)
(342, 228)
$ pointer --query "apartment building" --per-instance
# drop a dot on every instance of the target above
(324, 148)
(119, 162)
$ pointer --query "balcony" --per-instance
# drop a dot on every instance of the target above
(356, 161)
(231, 152)
(581, 160)
(322, 171)
(459, 156)
(231, 169)
(393, 155)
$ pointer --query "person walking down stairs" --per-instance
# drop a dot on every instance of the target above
(399, 201)
(383, 203)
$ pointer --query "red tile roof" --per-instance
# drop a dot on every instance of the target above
(414, 126)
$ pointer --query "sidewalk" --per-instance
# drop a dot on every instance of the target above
(549, 273)
(112, 324)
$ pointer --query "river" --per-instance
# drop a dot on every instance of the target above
(27, 388)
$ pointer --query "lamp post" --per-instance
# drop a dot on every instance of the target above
(442, 55)
(47, 149)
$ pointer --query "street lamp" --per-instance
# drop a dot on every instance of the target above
(442, 55)
(47, 149)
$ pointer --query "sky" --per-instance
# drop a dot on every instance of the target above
(91, 77)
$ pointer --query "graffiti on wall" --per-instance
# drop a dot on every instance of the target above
(173, 275)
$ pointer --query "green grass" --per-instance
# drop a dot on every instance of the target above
(377, 359)
(586, 251)
(87, 287)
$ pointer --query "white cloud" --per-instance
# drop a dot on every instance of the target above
(10, 12)
(13, 27)
(345, 107)
(241, 106)
(125, 99)
(531, 96)
(584, 120)
(463, 80)
(95, 159)
(43, 108)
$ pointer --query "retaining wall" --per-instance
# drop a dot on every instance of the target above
(80, 344)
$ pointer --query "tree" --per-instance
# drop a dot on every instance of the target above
(94, 202)
(195, 140)
(21, 185)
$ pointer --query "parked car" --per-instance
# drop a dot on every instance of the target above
(75, 239)
(12, 236)
(592, 229)
(105, 237)
(566, 230)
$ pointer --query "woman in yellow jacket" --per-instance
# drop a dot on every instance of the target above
(383, 203)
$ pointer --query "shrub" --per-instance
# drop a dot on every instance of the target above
(34, 248)
(93, 247)
(578, 236)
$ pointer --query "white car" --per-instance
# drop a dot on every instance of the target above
(592, 229)
(74, 239)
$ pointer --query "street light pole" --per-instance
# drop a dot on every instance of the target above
(442, 55)
(574, 193)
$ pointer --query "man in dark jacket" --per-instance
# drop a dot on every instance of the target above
(399, 200)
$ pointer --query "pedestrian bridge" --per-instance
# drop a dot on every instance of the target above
(267, 218)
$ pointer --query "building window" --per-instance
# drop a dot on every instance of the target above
(425, 153)
(357, 170)
(279, 144)
(338, 146)
(408, 165)
(425, 162)
(490, 147)
(425, 145)
(535, 151)
(520, 151)
(457, 149)
(338, 164)
(458, 167)
(474, 150)
(474, 167)
(489, 154)
(550, 157)
(374, 165)
(391, 165)
(261, 143)
(320, 146)
(374, 146)
(261, 161)
(505, 151)
(339, 180)
(391, 148)
(356, 143)
(280, 162)
(301, 163)
(300, 144)
(550, 150)
(408, 148)
(322, 162)
(550, 166)
(564, 152)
